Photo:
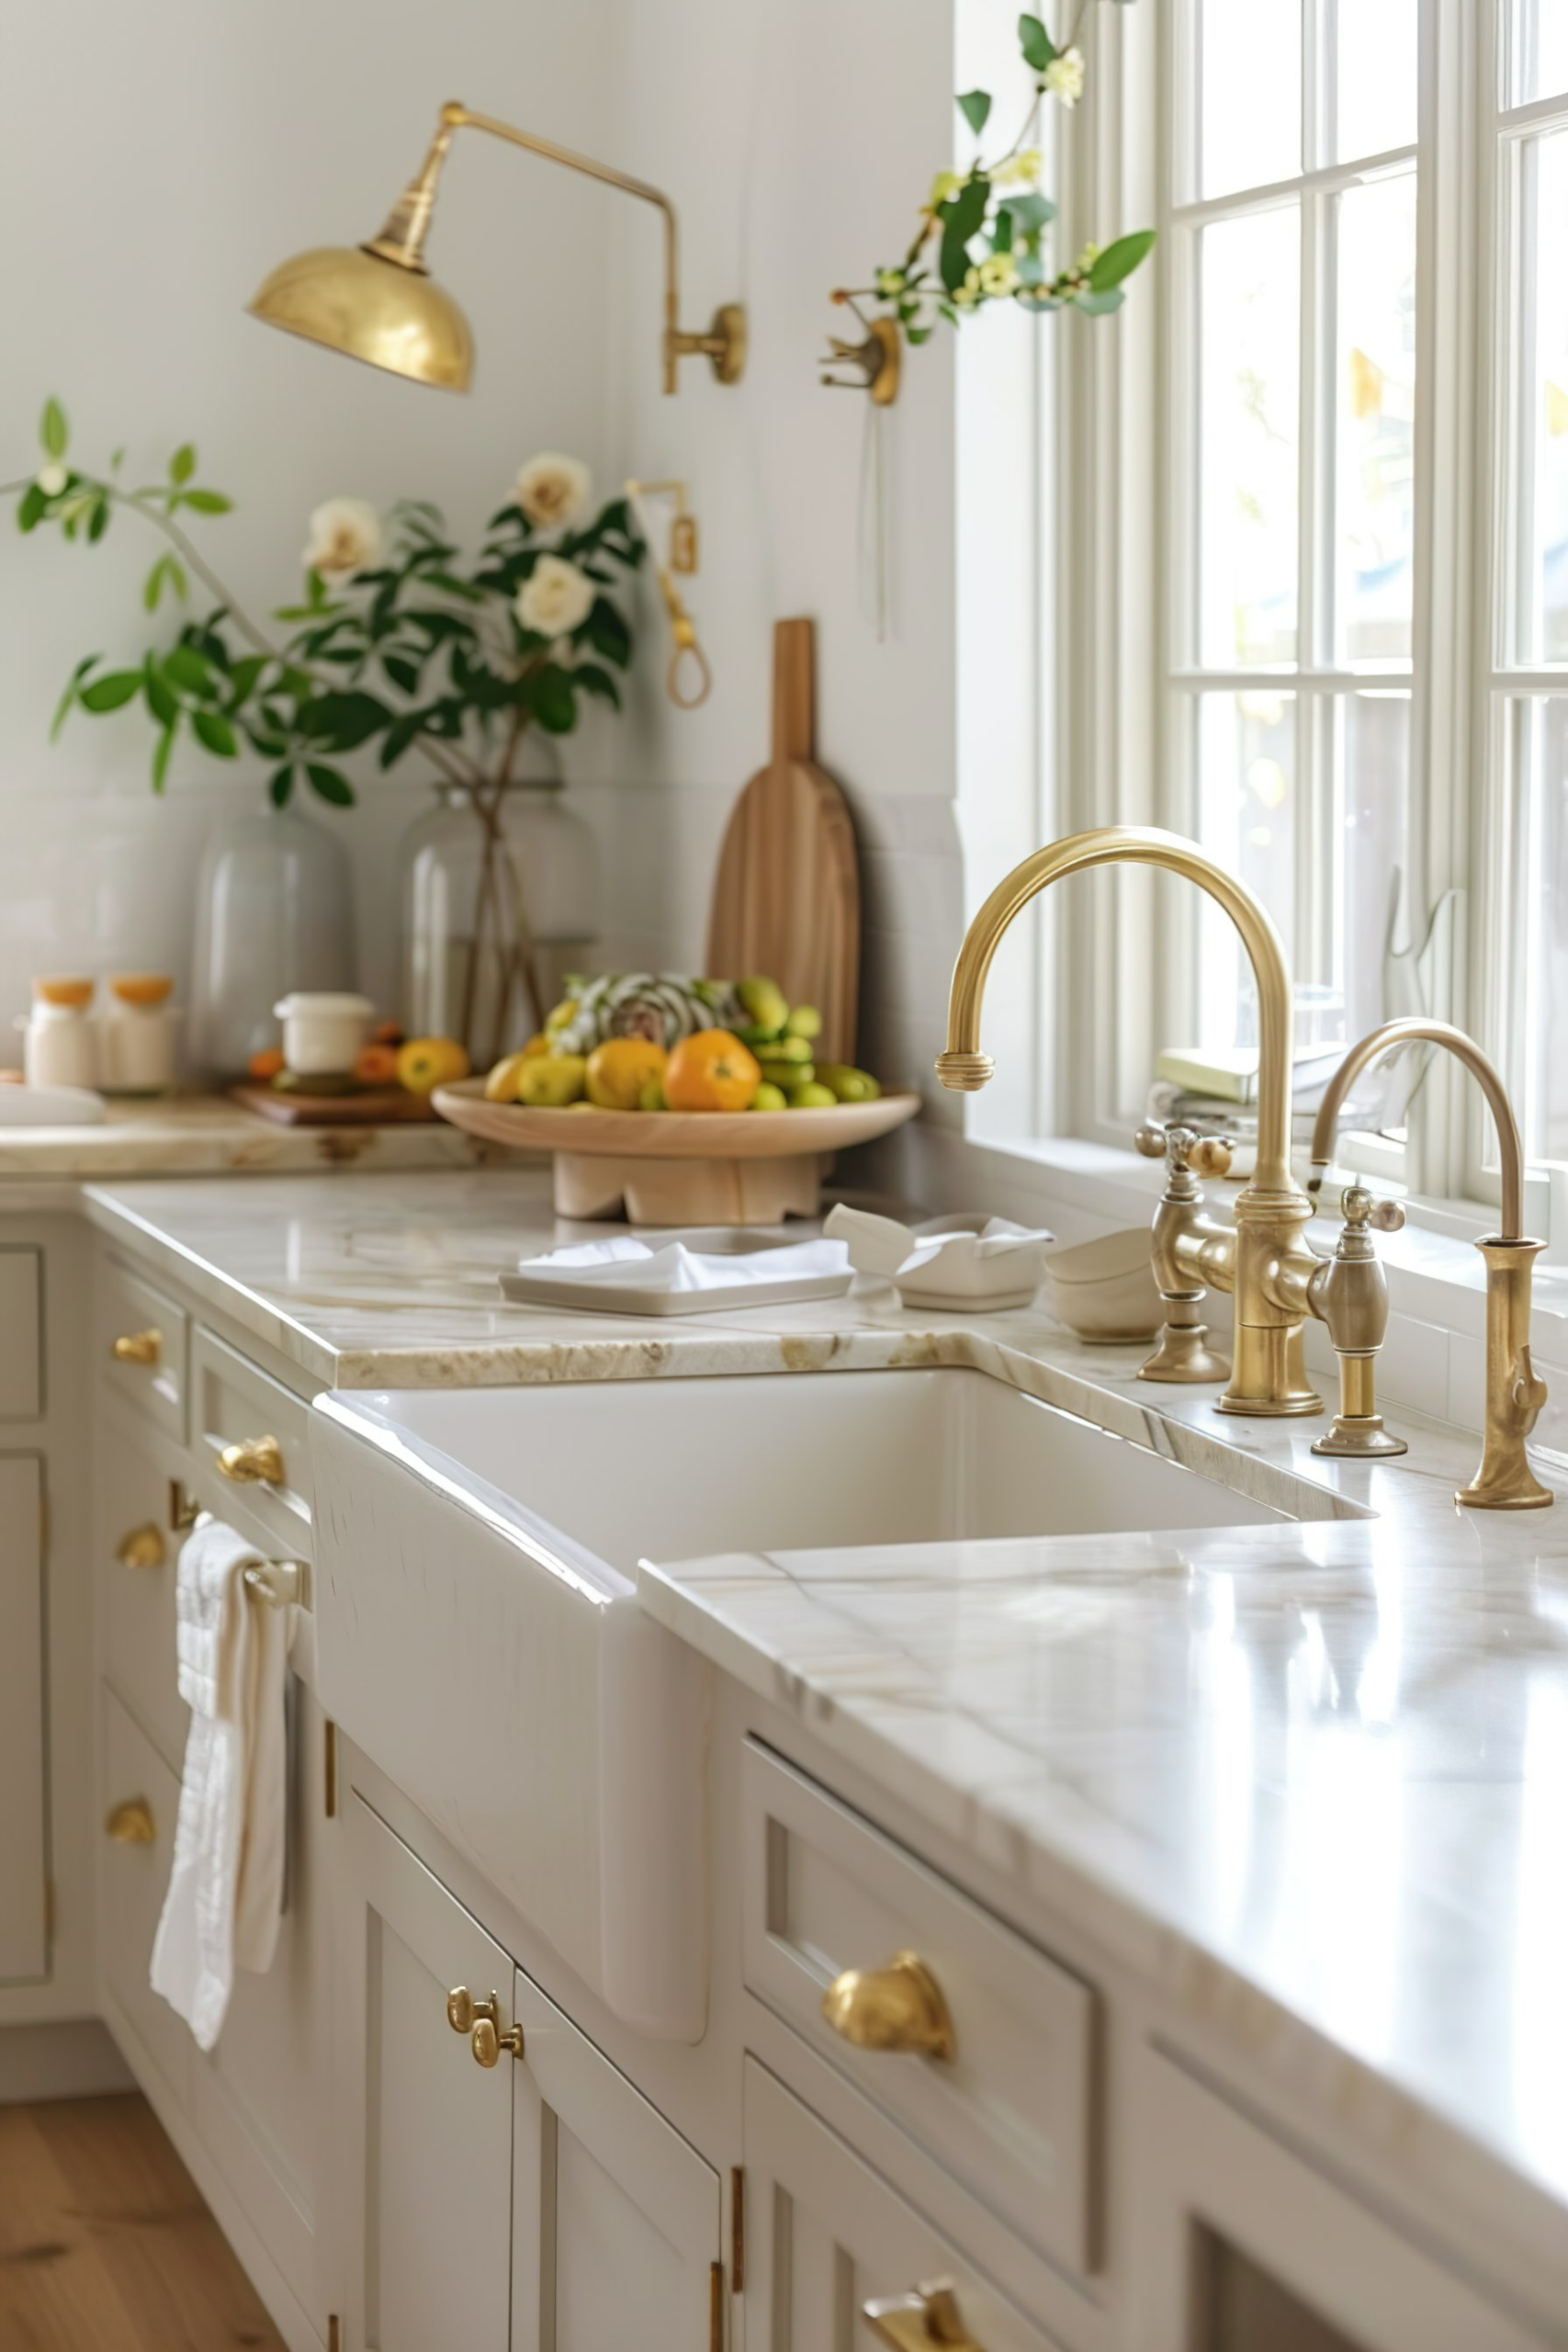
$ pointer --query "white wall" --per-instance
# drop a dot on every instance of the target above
(158, 160)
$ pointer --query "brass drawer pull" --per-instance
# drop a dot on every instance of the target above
(899, 2008)
(253, 1462)
(131, 1823)
(481, 2020)
(141, 1547)
(137, 1347)
(913, 2322)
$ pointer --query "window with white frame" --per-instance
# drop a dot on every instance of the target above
(1357, 535)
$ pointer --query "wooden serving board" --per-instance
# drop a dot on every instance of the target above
(786, 892)
(377, 1106)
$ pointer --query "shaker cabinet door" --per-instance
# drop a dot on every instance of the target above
(422, 2152)
(24, 1942)
(827, 2237)
(615, 2239)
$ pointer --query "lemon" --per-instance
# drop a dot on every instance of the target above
(620, 1069)
(501, 1086)
(551, 1081)
(426, 1063)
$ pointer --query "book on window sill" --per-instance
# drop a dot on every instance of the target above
(1229, 1073)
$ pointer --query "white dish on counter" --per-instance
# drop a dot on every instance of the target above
(982, 1264)
(1106, 1289)
(640, 1278)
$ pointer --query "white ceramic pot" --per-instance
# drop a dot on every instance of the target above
(321, 1033)
(60, 1039)
(136, 1034)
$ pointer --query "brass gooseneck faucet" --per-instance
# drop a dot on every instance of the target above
(1277, 1278)
(1515, 1391)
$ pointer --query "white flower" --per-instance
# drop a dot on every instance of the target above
(345, 536)
(1064, 76)
(552, 490)
(889, 282)
(52, 478)
(556, 597)
(999, 274)
(967, 295)
(945, 183)
(1023, 167)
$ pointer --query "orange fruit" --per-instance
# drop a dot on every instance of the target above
(264, 1066)
(620, 1069)
(711, 1070)
(376, 1065)
(426, 1063)
(387, 1032)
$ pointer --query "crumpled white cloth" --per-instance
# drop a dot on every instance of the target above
(998, 1237)
(226, 1889)
(674, 1267)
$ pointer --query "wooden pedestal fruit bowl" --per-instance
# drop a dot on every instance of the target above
(680, 1167)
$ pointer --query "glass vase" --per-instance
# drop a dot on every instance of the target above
(501, 899)
(275, 912)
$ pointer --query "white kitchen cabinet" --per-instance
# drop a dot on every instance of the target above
(422, 2152)
(1246, 2248)
(827, 2236)
(24, 1827)
(616, 2227)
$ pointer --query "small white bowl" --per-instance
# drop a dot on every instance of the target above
(324, 1030)
(1106, 1289)
(970, 1270)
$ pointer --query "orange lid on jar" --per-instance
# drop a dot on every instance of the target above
(73, 993)
(142, 988)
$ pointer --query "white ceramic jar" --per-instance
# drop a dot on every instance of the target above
(136, 1034)
(59, 1044)
(324, 1031)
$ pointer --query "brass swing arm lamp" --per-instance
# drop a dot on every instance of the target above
(378, 301)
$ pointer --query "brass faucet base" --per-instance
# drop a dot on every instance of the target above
(1184, 1355)
(1305, 1400)
(1359, 1437)
(1475, 1497)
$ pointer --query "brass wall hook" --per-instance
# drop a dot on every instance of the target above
(688, 681)
(877, 359)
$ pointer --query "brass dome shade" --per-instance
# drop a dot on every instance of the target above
(381, 312)
(378, 302)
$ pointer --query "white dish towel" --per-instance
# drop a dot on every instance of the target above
(226, 1890)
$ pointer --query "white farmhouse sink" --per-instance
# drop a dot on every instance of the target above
(479, 1633)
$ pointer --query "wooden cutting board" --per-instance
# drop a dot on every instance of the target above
(786, 893)
(379, 1106)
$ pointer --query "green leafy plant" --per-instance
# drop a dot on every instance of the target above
(982, 233)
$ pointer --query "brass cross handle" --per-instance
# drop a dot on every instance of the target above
(913, 2322)
(137, 1347)
(253, 1462)
(899, 2008)
(141, 1547)
(131, 1823)
(1182, 1147)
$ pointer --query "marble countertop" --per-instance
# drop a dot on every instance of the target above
(208, 1134)
(1311, 1780)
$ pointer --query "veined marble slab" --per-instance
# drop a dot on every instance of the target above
(205, 1133)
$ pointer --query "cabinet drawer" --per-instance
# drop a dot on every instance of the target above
(133, 1880)
(21, 1335)
(137, 1552)
(141, 1339)
(1010, 2111)
(827, 2236)
(235, 1404)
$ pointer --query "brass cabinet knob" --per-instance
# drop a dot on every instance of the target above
(463, 2012)
(137, 1347)
(913, 2322)
(899, 2008)
(487, 2044)
(253, 1462)
(141, 1547)
(131, 1823)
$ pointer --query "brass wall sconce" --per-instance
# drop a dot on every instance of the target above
(687, 654)
(877, 360)
(379, 303)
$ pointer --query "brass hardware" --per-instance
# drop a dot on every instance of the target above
(738, 2229)
(253, 1461)
(141, 1547)
(1350, 1292)
(1184, 1353)
(1264, 1260)
(876, 361)
(686, 652)
(378, 302)
(899, 2008)
(1515, 1391)
(277, 1583)
(137, 1347)
(130, 1823)
(913, 2322)
(715, 2307)
(184, 1509)
(486, 2043)
(329, 1768)
(463, 2011)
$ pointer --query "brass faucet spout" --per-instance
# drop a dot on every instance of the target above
(965, 1067)
(1380, 1041)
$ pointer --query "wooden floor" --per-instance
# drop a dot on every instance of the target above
(105, 2243)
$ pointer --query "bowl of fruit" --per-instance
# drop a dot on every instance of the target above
(692, 1101)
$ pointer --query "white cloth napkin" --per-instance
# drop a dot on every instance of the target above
(998, 1237)
(674, 1267)
(226, 1889)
